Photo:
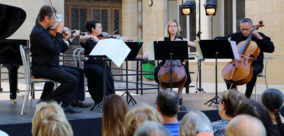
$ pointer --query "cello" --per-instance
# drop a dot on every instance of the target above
(240, 71)
(178, 74)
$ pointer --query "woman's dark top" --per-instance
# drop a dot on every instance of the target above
(188, 81)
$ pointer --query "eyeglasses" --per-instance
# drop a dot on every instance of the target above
(244, 29)
(173, 26)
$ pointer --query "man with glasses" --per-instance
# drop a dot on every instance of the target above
(264, 44)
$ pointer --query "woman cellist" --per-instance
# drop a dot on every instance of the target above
(171, 34)
(264, 44)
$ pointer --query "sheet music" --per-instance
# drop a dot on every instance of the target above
(198, 49)
(114, 49)
(235, 50)
(150, 49)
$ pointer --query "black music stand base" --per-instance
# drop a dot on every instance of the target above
(214, 100)
(129, 98)
(98, 107)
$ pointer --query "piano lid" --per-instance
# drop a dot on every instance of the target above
(11, 18)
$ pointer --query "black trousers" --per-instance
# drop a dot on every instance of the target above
(94, 74)
(13, 79)
(71, 81)
(250, 85)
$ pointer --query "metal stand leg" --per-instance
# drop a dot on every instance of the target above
(129, 97)
(215, 99)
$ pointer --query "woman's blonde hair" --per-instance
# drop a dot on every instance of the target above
(140, 113)
(49, 120)
(167, 34)
(114, 110)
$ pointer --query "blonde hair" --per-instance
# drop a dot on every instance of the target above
(140, 113)
(114, 110)
(167, 34)
(49, 120)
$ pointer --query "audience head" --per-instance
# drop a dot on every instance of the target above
(245, 125)
(2, 133)
(49, 120)
(272, 99)
(140, 113)
(230, 101)
(255, 109)
(114, 111)
(168, 103)
(195, 122)
(152, 128)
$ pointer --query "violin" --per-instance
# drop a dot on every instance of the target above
(53, 33)
(105, 35)
(64, 33)
(240, 72)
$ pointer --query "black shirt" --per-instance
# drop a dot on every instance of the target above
(45, 48)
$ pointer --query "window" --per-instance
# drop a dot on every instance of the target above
(228, 16)
(108, 12)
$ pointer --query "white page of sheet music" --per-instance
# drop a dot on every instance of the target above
(198, 49)
(150, 48)
(114, 49)
(235, 50)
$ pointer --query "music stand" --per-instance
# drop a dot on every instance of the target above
(171, 50)
(135, 47)
(109, 48)
(214, 49)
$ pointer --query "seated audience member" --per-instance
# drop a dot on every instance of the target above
(168, 107)
(49, 120)
(137, 115)
(272, 99)
(230, 102)
(114, 110)
(152, 128)
(195, 123)
(245, 125)
(255, 109)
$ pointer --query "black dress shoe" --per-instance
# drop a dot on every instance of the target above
(70, 109)
(80, 104)
(181, 106)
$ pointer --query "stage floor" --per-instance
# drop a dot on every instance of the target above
(89, 122)
(10, 113)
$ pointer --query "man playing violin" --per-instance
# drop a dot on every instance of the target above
(45, 50)
(264, 44)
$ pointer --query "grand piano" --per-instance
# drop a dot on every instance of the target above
(17, 18)
(11, 18)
